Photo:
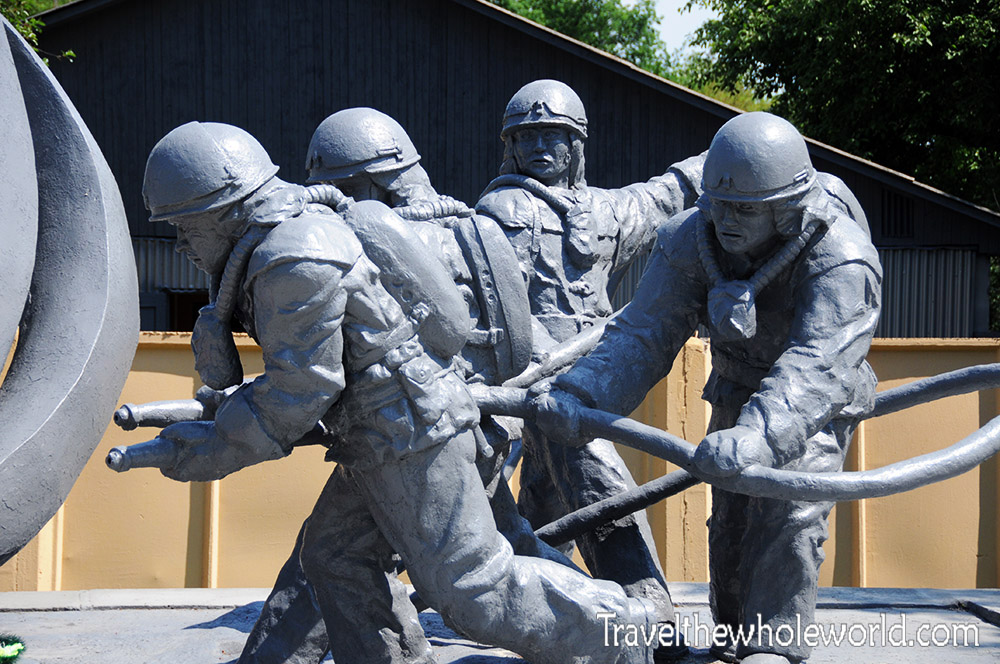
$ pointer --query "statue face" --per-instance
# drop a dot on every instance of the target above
(544, 153)
(204, 239)
(744, 228)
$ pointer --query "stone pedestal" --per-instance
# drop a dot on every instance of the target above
(198, 626)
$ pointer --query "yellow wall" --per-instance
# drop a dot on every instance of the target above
(140, 530)
(941, 536)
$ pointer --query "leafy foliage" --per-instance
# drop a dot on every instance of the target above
(692, 70)
(911, 84)
(21, 14)
(630, 32)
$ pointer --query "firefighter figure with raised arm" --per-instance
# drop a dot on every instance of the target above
(573, 243)
(339, 350)
(777, 263)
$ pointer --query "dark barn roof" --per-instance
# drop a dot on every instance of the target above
(445, 69)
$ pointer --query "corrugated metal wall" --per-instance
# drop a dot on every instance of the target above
(276, 69)
(927, 293)
(629, 282)
(444, 68)
(160, 267)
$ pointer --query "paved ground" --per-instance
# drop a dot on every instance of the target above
(874, 626)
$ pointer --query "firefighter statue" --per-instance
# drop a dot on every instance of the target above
(781, 270)
(315, 289)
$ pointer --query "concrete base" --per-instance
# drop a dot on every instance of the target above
(196, 626)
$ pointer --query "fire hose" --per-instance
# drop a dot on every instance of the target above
(756, 480)
(793, 485)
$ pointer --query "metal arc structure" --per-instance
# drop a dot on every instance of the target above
(79, 330)
(18, 200)
(905, 475)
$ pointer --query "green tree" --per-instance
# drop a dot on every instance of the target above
(693, 70)
(630, 32)
(911, 84)
(22, 15)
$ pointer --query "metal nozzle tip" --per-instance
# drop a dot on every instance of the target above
(124, 418)
(116, 460)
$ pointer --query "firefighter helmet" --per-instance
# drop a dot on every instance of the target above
(202, 166)
(355, 140)
(545, 103)
(757, 157)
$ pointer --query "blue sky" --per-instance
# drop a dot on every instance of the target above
(675, 27)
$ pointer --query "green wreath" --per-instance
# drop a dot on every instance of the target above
(11, 648)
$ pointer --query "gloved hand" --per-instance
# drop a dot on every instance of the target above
(212, 398)
(557, 414)
(729, 451)
(203, 456)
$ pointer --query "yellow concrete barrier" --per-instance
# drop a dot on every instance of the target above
(140, 530)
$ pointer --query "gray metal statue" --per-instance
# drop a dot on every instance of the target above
(314, 289)
(781, 270)
(571, 241)
(368, 155)
(70, 293)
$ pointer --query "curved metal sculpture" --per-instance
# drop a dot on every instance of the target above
(18, 201)
(79, 329)
(905, 475)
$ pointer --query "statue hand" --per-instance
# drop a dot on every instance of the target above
(202, 455)
(729, 451)
(557, 414)
(211, 398)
